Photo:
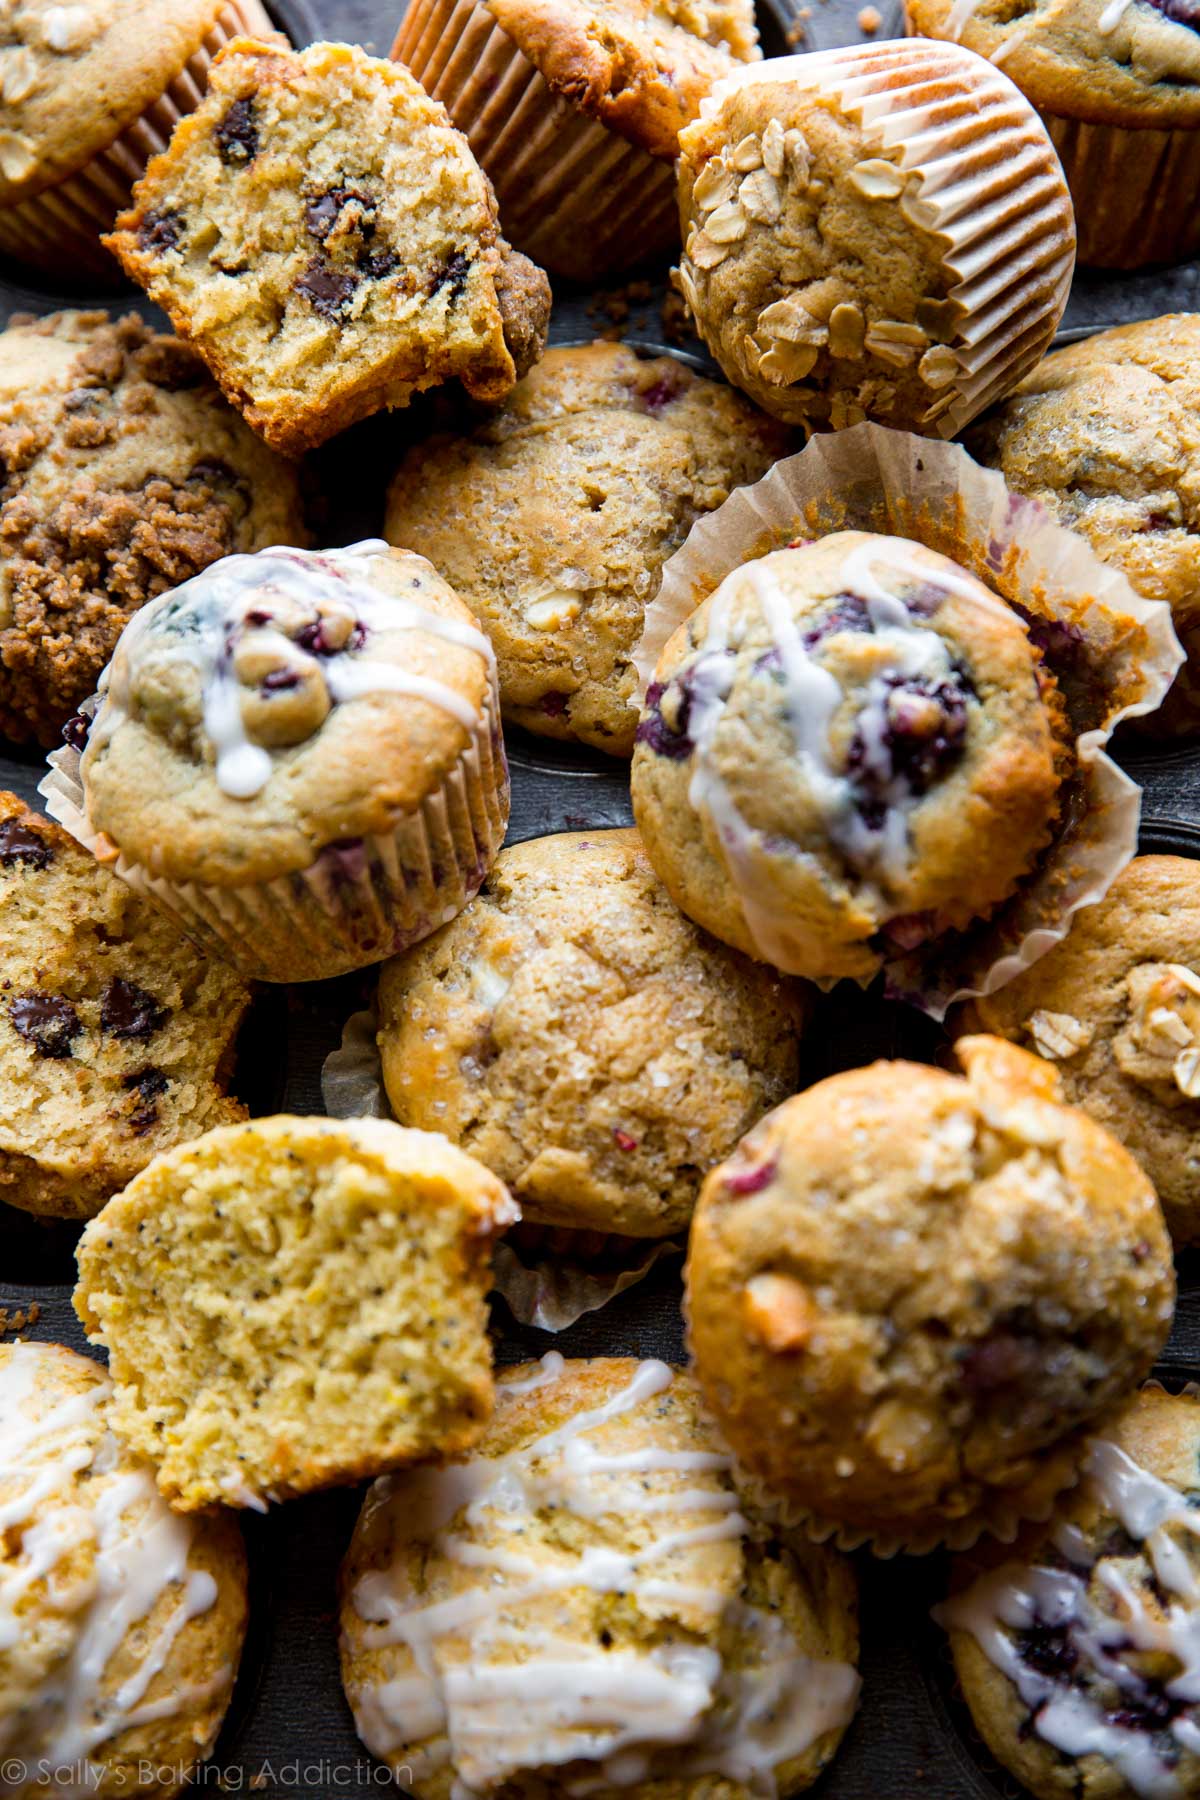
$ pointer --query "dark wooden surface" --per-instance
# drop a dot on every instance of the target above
(289, 1731)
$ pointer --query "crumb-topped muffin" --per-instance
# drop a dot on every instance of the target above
(121, 1624)
(320, 733)
(582, 1607)
(1076, 1646)
(117, 1037)
(553, 520)
(827, 742)
(1104, 435)
(582, 1038)
(324, 236)
(911, 1295)
(122, 473)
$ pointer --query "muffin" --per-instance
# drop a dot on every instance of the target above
(117, 1038)
(122, 473)
(584, 1596)
(1118, 87)
(1116, 1007)
(89, 96)
(828, 740)
(121, 1623)
(294, 1303)
(554, 518)
(574, 109)
(912, 1295)
(1104, 435)
(880, 232)
(324, 237)
(584, 1040)
(1075, 1647)
(321, 737)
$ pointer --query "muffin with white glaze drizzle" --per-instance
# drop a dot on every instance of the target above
(121, 1624)
(827, 742)
(583, 1608)
(320, 737)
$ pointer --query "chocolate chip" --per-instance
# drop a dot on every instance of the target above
(19, 844)
(148, 1084)
(380, 265)
(128, 1011)
(47, 1022)
(160, 232)
(237, 134)
(329, 292)
(214, 473)
(452, 274)
(322, 212)
(75, 731)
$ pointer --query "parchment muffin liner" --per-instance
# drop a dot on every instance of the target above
(59, 229)
(547, 1277)
(359, 901)
(1113, 653)
(1136, 191)
(577, 198)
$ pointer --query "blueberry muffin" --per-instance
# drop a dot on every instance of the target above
(911, 1295)
(581, 1606)
(116, 1036)
(89, 95)
(1076, 1646)
(324, 237)
(831, 263)
(294, 1303)
(826, 743)
(320, 733)
(582, 1038)
(1118, 85)
(1104, 435)
(554, 518)
(1116, 1007)
(121, 1624)
(122, 473)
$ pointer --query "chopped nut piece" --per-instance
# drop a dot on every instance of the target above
(938, 367)
(726, 225)
(552, 610)
(759, 196)
(877, 179)
(747, 155)
(774, 149)
(903, 1434)
(779, 1311)
(714, 185)
(1058, 1035)
(847, 329)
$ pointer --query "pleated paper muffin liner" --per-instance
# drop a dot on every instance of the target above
(1136, 191)
(59, 229)
(574, 196)
(547, 1276)
(359, 901)
(1113, 653)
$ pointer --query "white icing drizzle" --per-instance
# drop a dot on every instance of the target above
(137, 1552)
(219, 603)
(1014, 1599)
(493, 1687)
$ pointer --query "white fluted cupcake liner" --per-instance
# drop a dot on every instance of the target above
(1136, 191)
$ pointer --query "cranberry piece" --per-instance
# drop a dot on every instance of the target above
(752, 1180)
(999, 1360)
(661, 394)
(345, 860)
(46, 1021)
(75, 732)
(554, 704)
(19, 844)
(237, 134)
(280, 681)
(846, 612)
(129, 1011)
(924, 735)
(623, 1140)
(1048, 1650)
(654, 730)
(1057, 639)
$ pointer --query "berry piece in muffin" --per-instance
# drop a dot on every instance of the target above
(554, 518)
(323, 235)
(123, 472)
(295, 1303)
(912, 1295)
(117, 1036)
(575, 1032)
(583, 1607)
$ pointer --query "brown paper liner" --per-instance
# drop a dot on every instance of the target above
(575, 197)
(1136, 191)
(59, 229)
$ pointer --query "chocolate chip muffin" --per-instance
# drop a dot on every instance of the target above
(554, 518)
(322, 234)
(1104, 435)
(826, 743)
(581, 1606)
(1076, 1646)
(122, 473)
(116, 1036)
(582, 1038)
(912, 1295)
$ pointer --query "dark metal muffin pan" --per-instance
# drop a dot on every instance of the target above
(289, 1731)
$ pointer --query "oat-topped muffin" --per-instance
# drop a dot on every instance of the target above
(1105, 435)
(322, 234)
(912, 1295)
(122, 473)
(582, 1038)
(554, 518)
(581, 1607)
(1116, 1007)
(828, 741)
(1076, 1646)
(121, 1624)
